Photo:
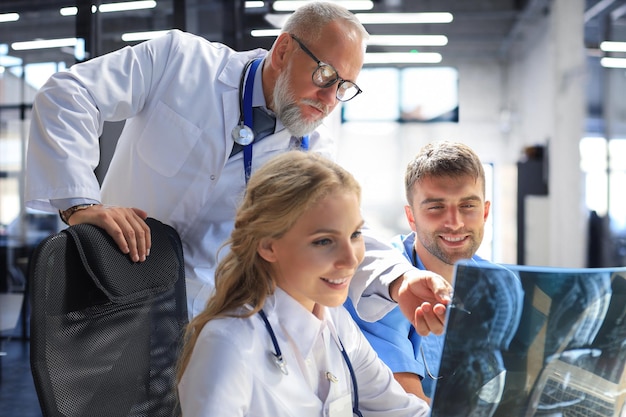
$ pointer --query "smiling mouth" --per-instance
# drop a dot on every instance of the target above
(336, 281)
(453, 239)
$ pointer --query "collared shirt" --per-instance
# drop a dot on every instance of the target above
(232, 373)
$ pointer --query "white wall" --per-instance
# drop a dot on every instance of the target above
(548, 91)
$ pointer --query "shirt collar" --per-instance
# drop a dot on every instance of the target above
(258, 98)
(294, 319)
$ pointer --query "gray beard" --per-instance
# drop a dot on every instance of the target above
(287, 110)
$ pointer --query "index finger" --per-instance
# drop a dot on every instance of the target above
(429, 319)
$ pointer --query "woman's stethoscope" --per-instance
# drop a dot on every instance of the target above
(243, 134)
(280, 362)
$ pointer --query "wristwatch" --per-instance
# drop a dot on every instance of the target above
(66, 214)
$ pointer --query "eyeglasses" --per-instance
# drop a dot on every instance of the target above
(325, 75)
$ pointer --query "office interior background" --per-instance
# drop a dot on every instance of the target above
(536, 87)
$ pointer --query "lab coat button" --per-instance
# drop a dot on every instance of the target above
(212, 177)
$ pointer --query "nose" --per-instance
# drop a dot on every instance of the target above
(328, 96)
(453, 219)
(350, 255)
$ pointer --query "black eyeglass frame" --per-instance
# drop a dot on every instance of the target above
(320, 64)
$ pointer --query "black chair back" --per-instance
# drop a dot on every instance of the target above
(105, 331)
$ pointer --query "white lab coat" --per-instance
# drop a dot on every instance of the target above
(179, 95)
(232, 373)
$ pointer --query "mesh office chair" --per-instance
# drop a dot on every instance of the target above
(105, 332)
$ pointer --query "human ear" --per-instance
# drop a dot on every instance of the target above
(408, 212)
(280, 52)
(265, 249)
(487, 207)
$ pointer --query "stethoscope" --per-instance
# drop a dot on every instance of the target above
(282, 365)
(243, 134)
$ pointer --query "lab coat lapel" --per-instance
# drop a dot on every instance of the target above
(231, 76)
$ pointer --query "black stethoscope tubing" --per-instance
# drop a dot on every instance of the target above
(280, 362)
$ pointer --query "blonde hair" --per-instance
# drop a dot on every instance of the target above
(277, 195)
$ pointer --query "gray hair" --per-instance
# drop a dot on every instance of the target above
(309, 20)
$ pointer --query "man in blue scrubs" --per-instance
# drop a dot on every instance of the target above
(447, 211)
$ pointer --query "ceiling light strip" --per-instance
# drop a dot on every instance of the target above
(42, 44)
(9, 17)
(611, 46)
(404, 18)
(143, 36)
(608, 62)
(254, 4)
(379, 40)
(402, 58)
(125, 6)
(112, 7)
(407, 40)
(290, 6)
(264, 33)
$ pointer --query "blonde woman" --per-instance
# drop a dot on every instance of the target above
(274, 339)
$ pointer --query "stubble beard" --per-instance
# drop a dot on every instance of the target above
(431, 244)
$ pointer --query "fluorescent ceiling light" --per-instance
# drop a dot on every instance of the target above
(69, 11)
(112, 7)
(395, 18)
(9, 17)
(609, 46)
(402, 58)
(408, 40)
(261, 33)
(128, 5)
(613, 62)
(290, 6)
(41, 44)
(142, 36)
(380, 40)
(254, 4)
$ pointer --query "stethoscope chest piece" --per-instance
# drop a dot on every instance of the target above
(242, 134)
(280, 363)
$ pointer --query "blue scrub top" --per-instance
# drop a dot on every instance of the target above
(394, 338)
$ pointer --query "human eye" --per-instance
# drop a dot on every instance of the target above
(322, 242)
(356, 235)
(469, 205)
